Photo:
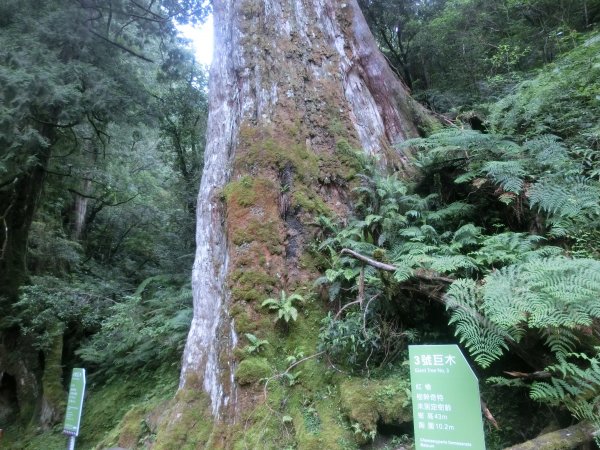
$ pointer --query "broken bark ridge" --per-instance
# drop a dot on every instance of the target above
(294, 86)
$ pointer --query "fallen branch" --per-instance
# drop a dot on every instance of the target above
(564, 439)
(421, 274)
(488, 415)
(539, 375)
(372, 262)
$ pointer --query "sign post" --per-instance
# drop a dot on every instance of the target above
(74, 406)
(445, 399)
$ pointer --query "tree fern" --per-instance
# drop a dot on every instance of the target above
(546, 295)
(485, 343)
(566, 197)
(575, 384)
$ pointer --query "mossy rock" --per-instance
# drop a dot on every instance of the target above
(252, 370)
(369, 402)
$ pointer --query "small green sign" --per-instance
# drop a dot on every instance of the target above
(445, 398)
(75, 403)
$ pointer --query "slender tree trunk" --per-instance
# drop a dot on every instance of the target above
(294, 86)
(80, 210)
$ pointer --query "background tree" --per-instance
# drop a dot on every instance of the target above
(463, 52)
(79, 171)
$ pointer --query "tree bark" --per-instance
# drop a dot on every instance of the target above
(53, 397)
(294, 85)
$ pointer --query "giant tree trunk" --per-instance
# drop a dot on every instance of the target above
(294, 85)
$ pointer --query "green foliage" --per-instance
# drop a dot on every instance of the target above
(453, 52)
(284, 306)
(499, 228)
(48, 305)
(542, 173)
(547, 295)
(256, 345)
(143, 331)
(252, 370)
(561, 99)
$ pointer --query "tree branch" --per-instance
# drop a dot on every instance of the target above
(122, 47)
(539, 375)
(55, 125)
(421, 274)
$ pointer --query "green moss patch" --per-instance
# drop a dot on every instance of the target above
(367, 402)
(252, 370)
(249, 285)
(259, 150)
(241, 192)
(189, 424)
(113, 414)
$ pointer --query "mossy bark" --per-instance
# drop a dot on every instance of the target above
(53, 397)
(296, 87)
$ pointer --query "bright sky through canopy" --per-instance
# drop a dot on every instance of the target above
(202, 39)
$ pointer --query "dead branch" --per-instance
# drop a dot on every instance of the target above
(539, 375)
(372, 262)
(421, 274)
(488, 415)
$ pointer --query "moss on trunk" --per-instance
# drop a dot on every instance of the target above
(53, 397)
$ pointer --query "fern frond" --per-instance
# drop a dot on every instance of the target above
(467, 235)
(561, 341)
(548, 151)
(451, 264)
(485, 342)
(566, 197)
(508, 174)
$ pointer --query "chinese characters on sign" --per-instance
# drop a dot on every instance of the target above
(75, 403)
(445, 398)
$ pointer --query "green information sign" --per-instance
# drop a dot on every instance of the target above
(75, 403)
(445, 398)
